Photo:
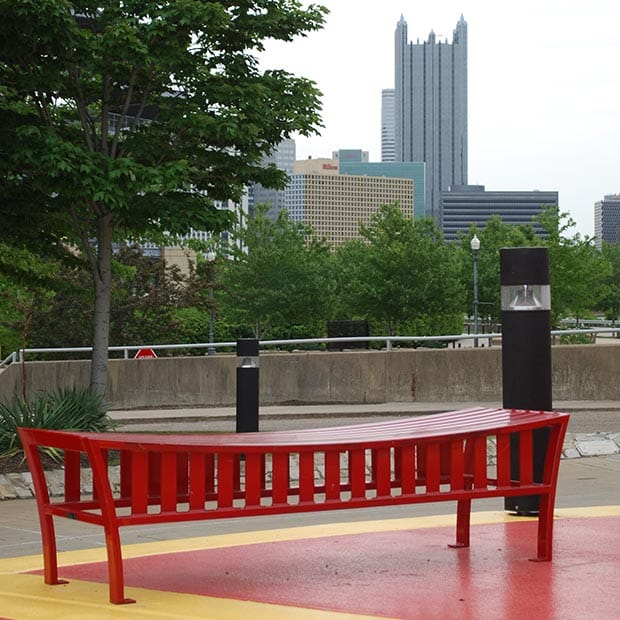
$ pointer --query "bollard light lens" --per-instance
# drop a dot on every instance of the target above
(248, 361)
(526, 297)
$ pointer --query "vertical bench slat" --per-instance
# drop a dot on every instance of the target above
(154, 475)
(382, 471)
(457, 466)
(225, 490)
(125, 460)
(169, 480)
(433, 467)
(480, 462)
(182, 475)
(332, 474)
(407, 469)
(503, 459)
(139, 482)
(237, 473)
(105, 458)
(254, 478)
(357, 472)
(306, 476)
(210, 475)
(72, 475)
(280, 477)
(197, 480)
(397, 466)
(526, 457)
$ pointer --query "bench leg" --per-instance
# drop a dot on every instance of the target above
(545, 529)
(463, 513)
(115, 566)
(50, 557)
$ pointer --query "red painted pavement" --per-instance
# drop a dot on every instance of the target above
(405, 574)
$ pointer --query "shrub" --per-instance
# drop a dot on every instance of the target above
(62, 409)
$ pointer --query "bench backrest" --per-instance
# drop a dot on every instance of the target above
(446, 456)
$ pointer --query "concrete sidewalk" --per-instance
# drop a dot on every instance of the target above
(340, 410)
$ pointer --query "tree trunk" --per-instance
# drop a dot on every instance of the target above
(102, 279)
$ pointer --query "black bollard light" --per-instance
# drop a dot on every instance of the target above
(526, 353)
(247, 385)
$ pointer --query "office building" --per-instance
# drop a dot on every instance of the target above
(388, 125)
(607, 220)
(430, 108)
(335, 204)
(395, 170)
(467, 205)
(283, 157)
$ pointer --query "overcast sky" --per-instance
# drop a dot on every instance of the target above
(544, 88)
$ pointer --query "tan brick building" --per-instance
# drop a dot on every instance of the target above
(335, 204)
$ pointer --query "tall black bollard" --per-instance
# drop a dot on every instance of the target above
(247, 385)
(526, 352)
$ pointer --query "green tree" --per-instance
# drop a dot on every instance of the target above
(400, 272)
(610, 303)
(146, 294)
(494, 236)
(577, 271)
(277, 275)
(128, 119)
(27, 285)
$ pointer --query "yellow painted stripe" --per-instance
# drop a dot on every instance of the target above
(26, 597)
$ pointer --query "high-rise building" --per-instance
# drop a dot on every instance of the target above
(388, 125)
(393, 169)
(335, 204)
(467, 205)
(607, 220)
(430, 107)
(283, 157)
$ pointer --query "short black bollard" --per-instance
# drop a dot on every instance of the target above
(526, 353)
(247, 385)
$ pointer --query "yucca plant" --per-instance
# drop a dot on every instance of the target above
(62, 409)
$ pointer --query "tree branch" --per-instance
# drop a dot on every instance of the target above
(105, 115)
(80, 101)
(137, 117)
(123, 115)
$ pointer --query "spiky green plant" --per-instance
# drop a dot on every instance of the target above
(62, 409)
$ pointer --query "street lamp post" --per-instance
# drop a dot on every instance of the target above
(475, 246)
(211, 259)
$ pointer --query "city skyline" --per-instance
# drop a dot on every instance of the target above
(543, 89)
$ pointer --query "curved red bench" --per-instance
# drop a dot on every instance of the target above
(167, 478)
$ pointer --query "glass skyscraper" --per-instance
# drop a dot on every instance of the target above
(430, 107)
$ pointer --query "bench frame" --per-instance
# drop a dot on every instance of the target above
(170, 478)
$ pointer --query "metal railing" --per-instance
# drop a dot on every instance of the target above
(389, 342)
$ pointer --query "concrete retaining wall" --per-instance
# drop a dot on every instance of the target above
(580, 372)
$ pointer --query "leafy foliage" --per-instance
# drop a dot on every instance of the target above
(494, 236)
(278, 278)
(129, 119)
(63, 409)
(401, 271)
(578, 272)
(610, 302)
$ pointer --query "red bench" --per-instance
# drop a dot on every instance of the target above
(168, 478)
